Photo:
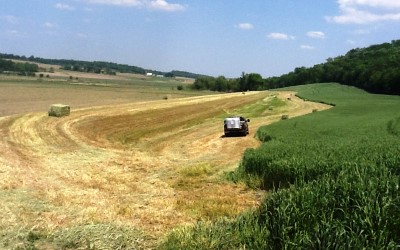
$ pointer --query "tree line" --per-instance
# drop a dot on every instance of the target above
(375, 69)
(247, 82)
(26, 69)
(81, 66)
(99, 67)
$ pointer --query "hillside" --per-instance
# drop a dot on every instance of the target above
(375, 69)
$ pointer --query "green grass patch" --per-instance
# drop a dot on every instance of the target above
(239, 233)
(268, 106)
(202, 169)
(100, 236)
(193, 176)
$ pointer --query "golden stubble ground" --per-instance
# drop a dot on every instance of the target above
(153, 165)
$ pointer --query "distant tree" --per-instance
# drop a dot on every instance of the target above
(221, 84)
(25, 69)
(204, 83)
(6, 65)
(251, 81)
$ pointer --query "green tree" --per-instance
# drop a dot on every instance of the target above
(221, 84)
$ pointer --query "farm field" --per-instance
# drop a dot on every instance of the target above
(22, 94)
(127, 165)
(332, 179)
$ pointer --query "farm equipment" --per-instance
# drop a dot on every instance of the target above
(236, 125)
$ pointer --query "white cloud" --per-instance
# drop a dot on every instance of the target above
(9, 19)
(62, 6)
(82, 35)
(362, 32)
(366, 11)
(245, 26)
(316, 34)
(280, 36)
(117, 2)
(162, 5)
(13, 32)
(50, 25)
(307, 47)
(351, 42)
(372, 3)
(16, 34)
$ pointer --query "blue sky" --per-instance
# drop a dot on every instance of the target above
(213, 37)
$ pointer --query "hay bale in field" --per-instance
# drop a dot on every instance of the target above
(59, 110)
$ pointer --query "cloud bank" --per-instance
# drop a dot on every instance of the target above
(280, 36)
(162, 5)
(366, 11)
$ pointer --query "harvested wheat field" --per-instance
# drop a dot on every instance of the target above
(140, 169)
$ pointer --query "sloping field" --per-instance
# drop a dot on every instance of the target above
(149, 165)
(22, 95)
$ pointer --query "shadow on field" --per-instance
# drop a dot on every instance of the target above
(232, 135)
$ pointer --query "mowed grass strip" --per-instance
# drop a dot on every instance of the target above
(125, 129)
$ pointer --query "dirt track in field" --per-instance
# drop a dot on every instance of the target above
(153, 165)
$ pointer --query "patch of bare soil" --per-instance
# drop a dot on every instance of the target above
(153, 165)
